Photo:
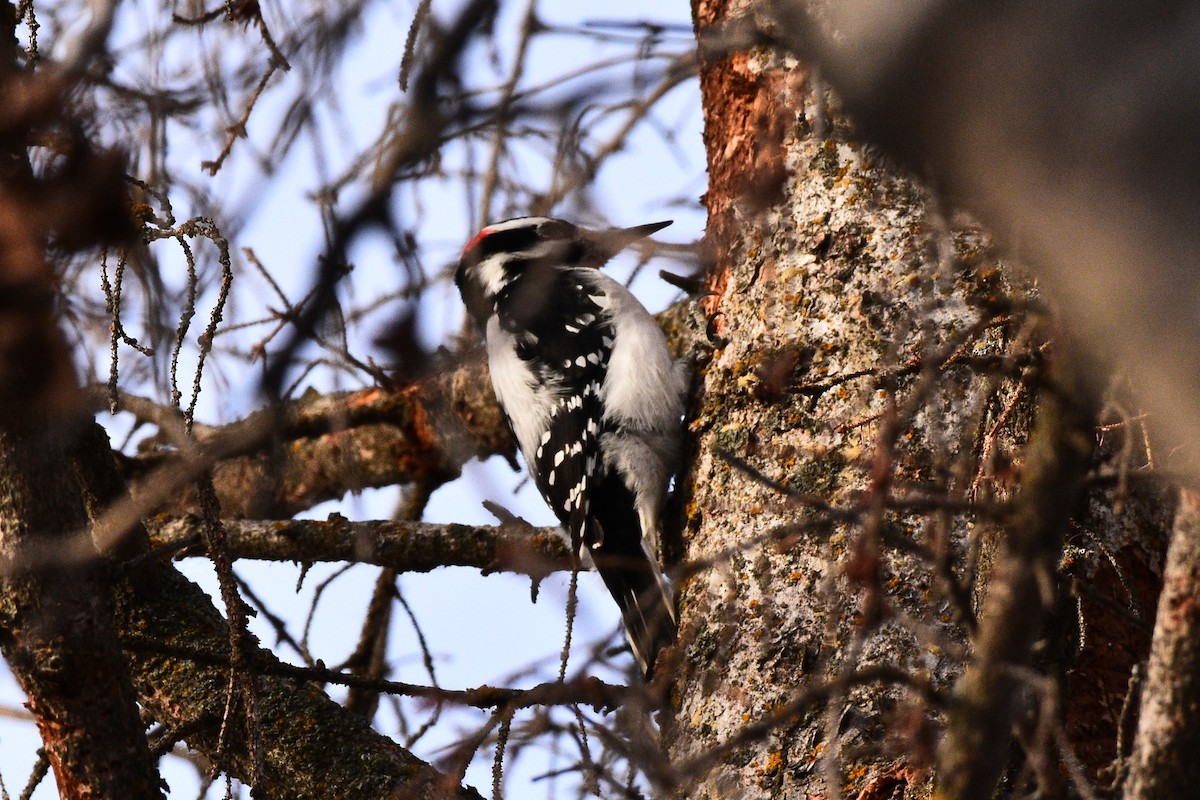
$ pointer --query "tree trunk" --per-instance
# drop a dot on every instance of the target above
(863, 478)
(56, 627)
(56, 604)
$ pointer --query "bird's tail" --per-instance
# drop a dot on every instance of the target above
(637, 584)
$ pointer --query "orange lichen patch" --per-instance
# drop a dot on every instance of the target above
(853, 775)
(141, 213)
(767, 771)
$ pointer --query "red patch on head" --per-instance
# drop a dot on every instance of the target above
(479, 237)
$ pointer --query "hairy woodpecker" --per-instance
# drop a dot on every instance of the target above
(592, 395)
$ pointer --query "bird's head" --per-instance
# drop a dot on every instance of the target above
(504, 251)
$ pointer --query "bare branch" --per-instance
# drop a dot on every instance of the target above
(397, 545)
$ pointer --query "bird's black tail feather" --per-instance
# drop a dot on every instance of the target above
(631, 573)
(645, 601)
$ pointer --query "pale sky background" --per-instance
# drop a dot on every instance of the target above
(480, 629)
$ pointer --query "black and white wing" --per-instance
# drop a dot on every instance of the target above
(566, 346)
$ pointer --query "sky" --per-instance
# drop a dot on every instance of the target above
(480, 629)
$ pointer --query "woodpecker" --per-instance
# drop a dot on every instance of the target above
(592, 395)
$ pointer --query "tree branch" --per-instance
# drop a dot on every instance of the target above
(588, 691)
(328, 445)
(401, 546)
(57, 631)
(314, 747)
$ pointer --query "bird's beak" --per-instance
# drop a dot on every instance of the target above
(610, 242)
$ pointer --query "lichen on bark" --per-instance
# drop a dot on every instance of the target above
(862, 346)
(862, 477)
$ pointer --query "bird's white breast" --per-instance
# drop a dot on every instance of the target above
(518, 388)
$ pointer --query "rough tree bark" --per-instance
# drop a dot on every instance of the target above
(295, 741)
(862, 478)
(56, 623)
